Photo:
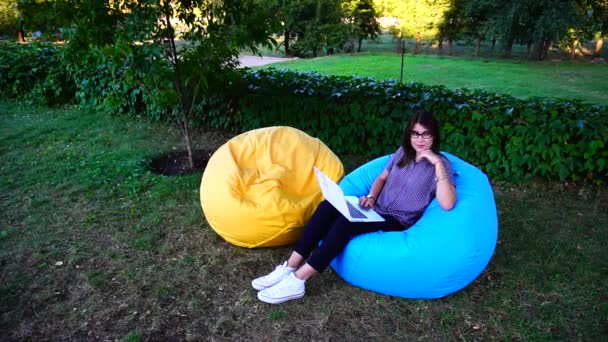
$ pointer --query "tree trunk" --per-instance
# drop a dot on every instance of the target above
(359, 44)
(21, 32)
(493, 45)
(286, 42)
(540, 45)
(450, 47)
(509, 47)
(417, 46)
(529, 50)
(543, 49)
(546, 47)
(440, 43)
(573, 48)
(187, 139)
(598, 47)
(399, 42)
(184, 109)
(478, 47)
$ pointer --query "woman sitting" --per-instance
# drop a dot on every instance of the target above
(414, 176)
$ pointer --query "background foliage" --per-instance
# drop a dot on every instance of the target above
(34, 73)
(315, 27)
(8, 17)
(121, 57)
(508, 138)
(538, 24)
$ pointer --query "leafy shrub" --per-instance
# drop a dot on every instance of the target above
(507, 137)
(120, 79)
(34, 73)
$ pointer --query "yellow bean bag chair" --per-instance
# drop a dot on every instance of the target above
(259, 189)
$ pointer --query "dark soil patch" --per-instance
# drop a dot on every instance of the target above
(176, 163)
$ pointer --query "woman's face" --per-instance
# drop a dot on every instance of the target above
(421, 138)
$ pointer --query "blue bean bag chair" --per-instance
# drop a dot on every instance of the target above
(439, 255)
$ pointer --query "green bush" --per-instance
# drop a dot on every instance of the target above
(508, 138)
(111, 79)
(34, 73)
(120, 79)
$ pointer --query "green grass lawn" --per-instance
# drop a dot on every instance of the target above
(515, 77)
(95, 247)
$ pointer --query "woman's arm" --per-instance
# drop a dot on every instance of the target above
(446, 194)
(374, 192)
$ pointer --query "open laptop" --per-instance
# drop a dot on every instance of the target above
(346, 205)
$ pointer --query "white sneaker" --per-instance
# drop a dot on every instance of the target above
(287, 289)
(273, 278)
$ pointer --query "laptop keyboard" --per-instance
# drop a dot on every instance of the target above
(354, 212)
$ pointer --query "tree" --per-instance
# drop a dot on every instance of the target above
(310, 26)
(417, 17)
(476, 21)
(597, 11)
(543, 22)
(290, 18)
(386, 8)
(452, 24)
(305, 20)
(317, 25)
(9, 17)
(295, 17)
(553, 21)
(143, 35)
(47, 16)
(362, 17)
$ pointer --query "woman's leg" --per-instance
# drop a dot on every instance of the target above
(293, 286)
(320, 223)
(338, 237)
(305, 272)
(295, 260)
(317, 227)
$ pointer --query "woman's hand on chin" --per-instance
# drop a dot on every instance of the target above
(429, 155)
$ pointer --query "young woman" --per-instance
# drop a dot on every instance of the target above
(414, 176)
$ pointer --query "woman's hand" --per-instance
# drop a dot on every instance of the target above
(367, 202)
(429, 155)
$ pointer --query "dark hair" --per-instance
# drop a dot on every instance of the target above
(427, 120)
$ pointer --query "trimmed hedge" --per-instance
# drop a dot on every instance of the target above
(508, 138)
(34, 72)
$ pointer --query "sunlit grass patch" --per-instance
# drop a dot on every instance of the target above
(520, 78)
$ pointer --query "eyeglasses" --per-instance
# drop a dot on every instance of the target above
(425, 135)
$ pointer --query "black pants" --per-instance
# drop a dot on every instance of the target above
(335, 230)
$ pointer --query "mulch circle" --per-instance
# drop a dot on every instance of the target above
(176, 163)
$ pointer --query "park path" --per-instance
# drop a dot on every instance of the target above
(249, 61)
